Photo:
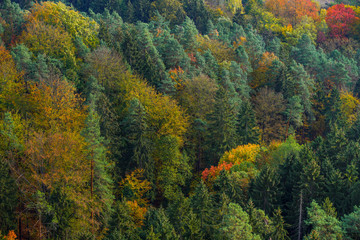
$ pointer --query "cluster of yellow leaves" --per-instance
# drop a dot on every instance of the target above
(137, 212)
(234, 5)
(307, 26)
(355, 8)
(349, 106)
(293, 10)
(220, 51)
(243, 153)
(265, 19)
(59, 15)
(164, 115)
(138, 185)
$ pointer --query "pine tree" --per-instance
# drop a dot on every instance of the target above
(294, 113)
(305, 53)
(239, 80)
(323, 224)
(184, 220)
(188, 36)
(350, 224)
(122, 224)
(211, 67)
(261, 224)
(197, 11)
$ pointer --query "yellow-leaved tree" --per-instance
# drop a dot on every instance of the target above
(349, 106)
(69, 20)
(243, 153)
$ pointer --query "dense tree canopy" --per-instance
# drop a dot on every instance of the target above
(168, 119)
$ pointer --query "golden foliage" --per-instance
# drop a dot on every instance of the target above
(56, 105)
(220, 51)
(61, 16)
(243, 153)
(137, 212)
(349, 106)
(164, 116)
(50, 40)
(138, 185)
(10, 82)
(259, 75)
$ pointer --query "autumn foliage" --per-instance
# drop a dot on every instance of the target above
(11, 236)
(340, 18)
(210, 174)
(10, 81)
(294, 10)
(243, 153)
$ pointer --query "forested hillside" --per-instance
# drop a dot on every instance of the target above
(179, 119)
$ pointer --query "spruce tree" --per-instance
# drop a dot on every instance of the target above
(188, 37)
(139, 145)
(265, 189)
(222, 126)
(305, 53)
(247, 128)
(203, 206)
(157, 221)
(279, 225)
(100, 180)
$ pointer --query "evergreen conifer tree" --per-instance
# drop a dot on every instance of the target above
(247, 128)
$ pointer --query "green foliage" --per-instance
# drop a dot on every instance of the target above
(265, 189)
(323, 224)
(222, 126)
(235, 224)
(109, 117)
(158, 224)
(279, 226)
(350, 224)
(247, 128)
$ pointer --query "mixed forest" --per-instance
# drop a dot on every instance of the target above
(179, 119)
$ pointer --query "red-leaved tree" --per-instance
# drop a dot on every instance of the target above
(340, 19)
